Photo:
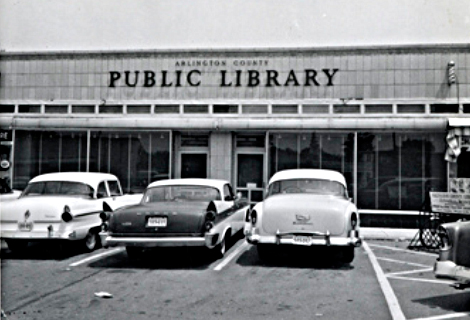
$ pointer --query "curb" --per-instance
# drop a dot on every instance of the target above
(388, 234)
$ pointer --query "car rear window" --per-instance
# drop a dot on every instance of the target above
(181, 193)
(313, 186)
(58, 188)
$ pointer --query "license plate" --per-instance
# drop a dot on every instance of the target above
(25, 226)
(303, 240)
(157, 222)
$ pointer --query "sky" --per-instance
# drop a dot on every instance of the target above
(87, 25)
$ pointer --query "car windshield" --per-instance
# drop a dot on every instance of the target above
(313, 186)
(181, 193)
(58, 188)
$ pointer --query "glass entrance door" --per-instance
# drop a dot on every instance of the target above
(250, 173)
(193, 165)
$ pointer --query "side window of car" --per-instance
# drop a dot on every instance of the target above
(228, 193)
(114, 188)
(102, 192)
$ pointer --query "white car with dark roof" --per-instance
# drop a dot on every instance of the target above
(178, 213)
(62, 206)
(305, 207)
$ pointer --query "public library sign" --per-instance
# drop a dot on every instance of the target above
(237, 73)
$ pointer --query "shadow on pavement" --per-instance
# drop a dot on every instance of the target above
(295, 257)
(55, 250)
(458, 302)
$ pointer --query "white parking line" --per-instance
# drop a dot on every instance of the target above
(421, 280)
(97, 257)
(408, 272)
(404, 262)
(392, 301)
(405, 250)
(446, 316)
(234, 254)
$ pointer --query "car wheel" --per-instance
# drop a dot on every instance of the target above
(134, 252)
(91, 241)
(16, 245)
(347, 254)
(221, 248)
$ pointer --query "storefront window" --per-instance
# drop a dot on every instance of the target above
(38, 152)
(396, 171)
(136, 158)
(313, 151)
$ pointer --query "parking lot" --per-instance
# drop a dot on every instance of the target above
(385, 281)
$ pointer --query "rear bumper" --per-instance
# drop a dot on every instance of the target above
(209, 240)
(448, 269)
(41, 235)
(316, 239)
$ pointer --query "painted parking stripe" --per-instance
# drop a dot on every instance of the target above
(446, 316)
(421, 280)
(392, 301)
(404, 262)
(404, 250)
(408, 272)
(231, 256)
(97, 257)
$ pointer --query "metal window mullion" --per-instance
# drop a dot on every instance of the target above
(129, 153)
(321, 151)
(40, 152)
(298, 150)
(60, 151)
(149, 168)
(377, 140)
(88, 147)
(423, 169)
(355, 168)
(109, 152)
(399, 170)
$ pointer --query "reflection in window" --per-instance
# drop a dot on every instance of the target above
(137, 159)
(313, 150)
(396, 171)
(38, 152)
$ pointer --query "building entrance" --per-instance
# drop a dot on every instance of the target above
(193, 165)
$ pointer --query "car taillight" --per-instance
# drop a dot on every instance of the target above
(104, 227)
(254, 217)
(208, 225)
(104, 216)
(66, 215)
(354, 220)
(444, 237)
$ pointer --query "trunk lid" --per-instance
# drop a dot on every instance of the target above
(160, 218)
(304, 212)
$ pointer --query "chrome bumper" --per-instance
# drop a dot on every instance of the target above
(317, 239)
(448, 269)
(209, 240)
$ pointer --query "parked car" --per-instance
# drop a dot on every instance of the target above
(6, 193)
(61, 206)
(175, 213)
(305, 207)
(454, 255)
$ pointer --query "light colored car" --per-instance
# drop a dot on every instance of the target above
(62, 206)
(175, 213)
(305, 207)
(454, 255)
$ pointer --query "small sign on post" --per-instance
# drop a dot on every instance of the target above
(448, 202)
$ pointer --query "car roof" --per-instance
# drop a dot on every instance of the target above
(216, 183)
(322, 174)
(90, 178)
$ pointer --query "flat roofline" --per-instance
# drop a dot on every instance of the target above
(228, 51)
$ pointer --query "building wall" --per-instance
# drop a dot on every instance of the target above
(345, 73)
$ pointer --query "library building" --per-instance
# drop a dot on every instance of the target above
(395, 120)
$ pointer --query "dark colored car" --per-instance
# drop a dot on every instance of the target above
(176, 213)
